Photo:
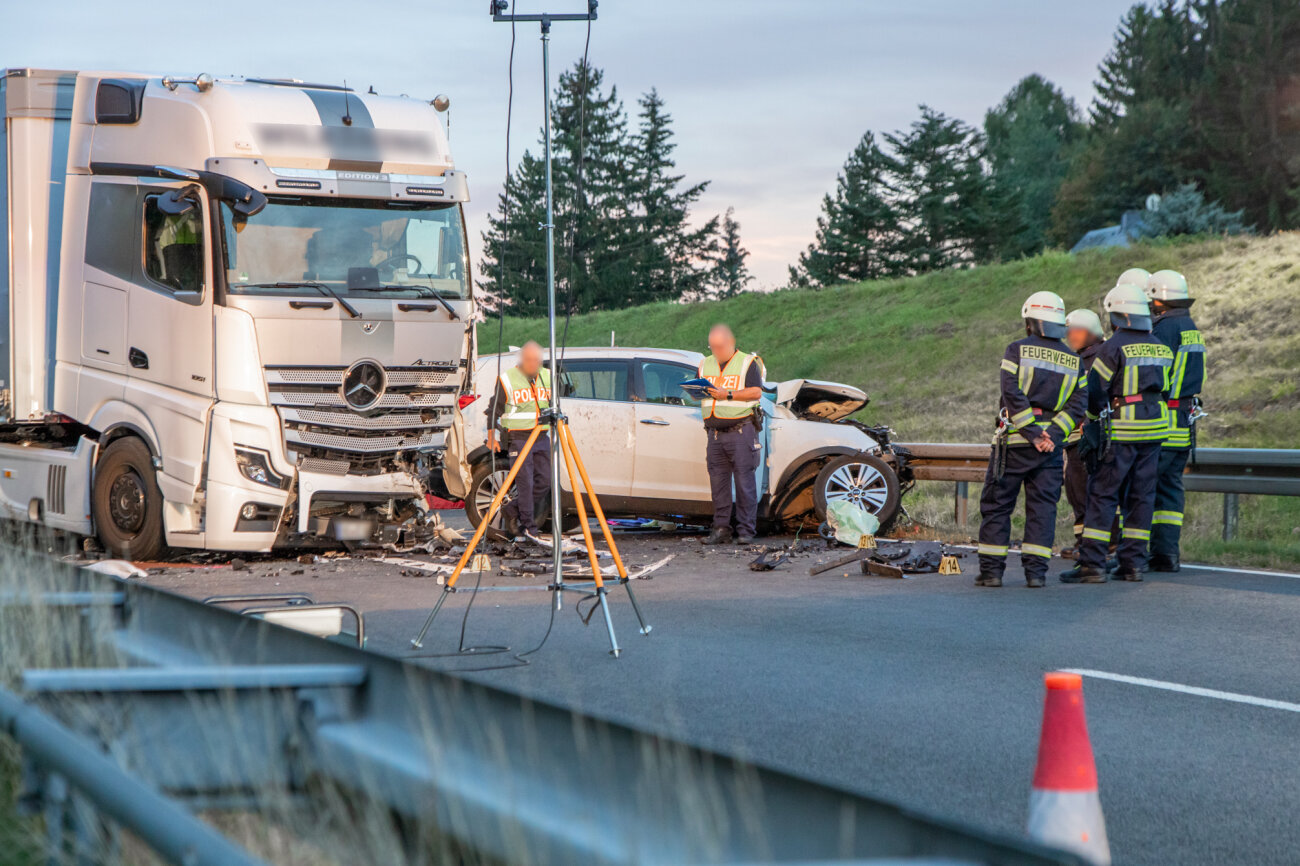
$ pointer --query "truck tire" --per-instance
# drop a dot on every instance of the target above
(861, 478)
(126, 503)
(483, 486)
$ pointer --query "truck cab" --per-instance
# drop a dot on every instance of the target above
(241, 313)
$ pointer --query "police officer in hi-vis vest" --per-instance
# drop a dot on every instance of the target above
(1042, 397)
(731, 422)
(523, 393)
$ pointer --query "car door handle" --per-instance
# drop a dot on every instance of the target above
(658, 422)
(138, 359)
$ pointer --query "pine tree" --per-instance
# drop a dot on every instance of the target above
(858, 231)
(946, 213)
(670, 257)
(730, 275)
(1248, 111)
(1031, 136)
(622, 216)
(1159, 55)
(1146, 134)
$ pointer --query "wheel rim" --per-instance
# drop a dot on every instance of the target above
(487, 491)
(859, 483)
(126, 502)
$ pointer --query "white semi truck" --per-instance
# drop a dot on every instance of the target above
(238, 312)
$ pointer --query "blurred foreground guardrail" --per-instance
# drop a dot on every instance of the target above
(1230, 471)
(219, 711)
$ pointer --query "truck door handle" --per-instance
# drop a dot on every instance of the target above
(311, 305)
(138, 359)
(658, 422)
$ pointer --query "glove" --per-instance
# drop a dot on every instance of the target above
(1090, 445)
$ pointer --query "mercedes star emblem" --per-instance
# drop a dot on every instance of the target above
(363, 385)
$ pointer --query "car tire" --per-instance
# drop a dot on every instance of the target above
(862, 478)
(126, 503)
(483, 486)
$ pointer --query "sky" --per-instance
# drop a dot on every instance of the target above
(767, 96)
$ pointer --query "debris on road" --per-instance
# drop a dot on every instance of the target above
(899, 559)
(770, 558)
(851, 523)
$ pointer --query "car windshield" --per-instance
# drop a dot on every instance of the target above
(351, 247)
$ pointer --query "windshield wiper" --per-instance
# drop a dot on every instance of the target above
(425, 292)
(307, 284)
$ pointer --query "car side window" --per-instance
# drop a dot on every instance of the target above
(596, 380)
(173, 248)
(662, 382)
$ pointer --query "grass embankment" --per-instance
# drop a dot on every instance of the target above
(927, 349)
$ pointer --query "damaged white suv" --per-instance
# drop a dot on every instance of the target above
(642, 440)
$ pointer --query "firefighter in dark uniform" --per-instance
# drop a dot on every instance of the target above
(523, 392)
(1170, 300)
(1127, 423)
(1042, 402)
(1083, 334)
(731, 422)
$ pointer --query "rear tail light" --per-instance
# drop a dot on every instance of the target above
(466, 399)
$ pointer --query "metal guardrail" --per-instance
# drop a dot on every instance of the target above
(219, 708)
(1230, 471)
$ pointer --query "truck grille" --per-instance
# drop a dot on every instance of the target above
(417, 404)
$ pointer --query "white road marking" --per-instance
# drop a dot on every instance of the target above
(1244, 571)
(1188, 690)
(1221, 568)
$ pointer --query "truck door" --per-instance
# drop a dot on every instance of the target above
(169, 333)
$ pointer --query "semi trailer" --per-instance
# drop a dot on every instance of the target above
(238, 312)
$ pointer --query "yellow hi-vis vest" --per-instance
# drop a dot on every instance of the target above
(730, 378)
(525, 400)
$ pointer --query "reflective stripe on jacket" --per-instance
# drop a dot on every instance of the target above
(729, 378)
(525, 398)
(1130, 375)
(1042, 387)
(1176, 330)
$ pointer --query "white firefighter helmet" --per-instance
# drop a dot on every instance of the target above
(1085, 319)
(1044, 315)
(1134, 277)
(1128, 307)
(1170, 287)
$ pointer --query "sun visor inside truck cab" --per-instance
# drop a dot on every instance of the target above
(450, 186)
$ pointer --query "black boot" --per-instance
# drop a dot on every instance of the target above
(988, 579)
(1132, 575)
(1083, 574)
(1163, 562)
(719, 535)
(1035, 581)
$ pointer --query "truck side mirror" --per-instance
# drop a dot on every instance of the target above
(177, 202)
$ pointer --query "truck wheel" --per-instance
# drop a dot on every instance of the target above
(860, 478)
(126, 503)
(483, 486)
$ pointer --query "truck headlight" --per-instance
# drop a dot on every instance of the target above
(255, 465)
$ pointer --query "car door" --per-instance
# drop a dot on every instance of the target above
(169, 334)
(597, 401)
(670, 441)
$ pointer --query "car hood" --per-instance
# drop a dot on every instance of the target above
(826, 401)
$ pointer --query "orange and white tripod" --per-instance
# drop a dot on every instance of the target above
(565, 445)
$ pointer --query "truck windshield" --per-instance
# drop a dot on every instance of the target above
(353, 247)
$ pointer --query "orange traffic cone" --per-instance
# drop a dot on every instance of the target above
(1064, 808)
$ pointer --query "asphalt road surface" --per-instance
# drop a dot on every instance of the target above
(926, 691)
